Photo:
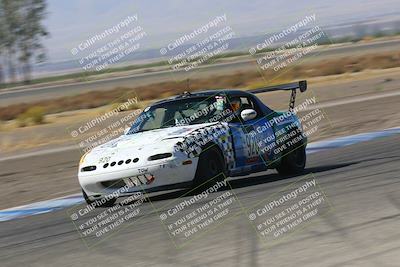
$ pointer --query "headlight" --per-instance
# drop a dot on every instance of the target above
(160, 156)
(88, 169)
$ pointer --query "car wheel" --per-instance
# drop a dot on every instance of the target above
(293, 162)
(211, 165)
(106, 203)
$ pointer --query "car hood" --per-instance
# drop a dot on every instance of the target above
(153, 137)
(142, 144)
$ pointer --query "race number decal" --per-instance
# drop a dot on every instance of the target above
(251, 146)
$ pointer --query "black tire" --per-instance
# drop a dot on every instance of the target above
(211, 165)
(108, 203)
(293, 162)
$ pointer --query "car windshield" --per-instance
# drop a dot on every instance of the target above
(186, 111)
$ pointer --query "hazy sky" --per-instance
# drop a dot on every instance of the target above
(71, 22)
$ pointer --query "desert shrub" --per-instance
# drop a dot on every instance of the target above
(22, 120)
(135, 106)
(331, 68)
(34, 115)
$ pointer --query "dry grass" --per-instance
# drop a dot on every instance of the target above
(236, 80)
(34, 115)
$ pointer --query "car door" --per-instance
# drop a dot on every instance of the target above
(252, 139)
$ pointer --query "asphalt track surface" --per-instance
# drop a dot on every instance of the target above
(13, 96)
(361, 181)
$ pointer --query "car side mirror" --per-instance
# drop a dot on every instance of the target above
(248, 114)
(126, 131)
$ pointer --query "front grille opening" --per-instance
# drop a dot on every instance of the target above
(88, 168)
(113, 184)
(160, 156)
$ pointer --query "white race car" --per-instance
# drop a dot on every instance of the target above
(194, 137)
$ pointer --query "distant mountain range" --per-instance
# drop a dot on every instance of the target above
(357, 29)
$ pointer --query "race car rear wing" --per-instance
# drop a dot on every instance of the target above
(301, 85)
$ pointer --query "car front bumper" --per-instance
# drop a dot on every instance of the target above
(146, 178)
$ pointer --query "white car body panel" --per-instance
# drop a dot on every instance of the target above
(142, 145)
